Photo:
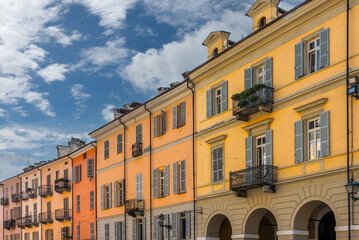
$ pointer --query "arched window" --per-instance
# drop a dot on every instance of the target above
(262, 22)
(215, 52)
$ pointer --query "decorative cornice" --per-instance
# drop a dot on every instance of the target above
(313, 104)
(216, 139)
(261, 124)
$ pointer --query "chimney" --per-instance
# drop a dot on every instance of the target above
(174, 84)
(161, 90)
(73, 145)
(116, 113)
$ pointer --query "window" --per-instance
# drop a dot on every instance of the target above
(90, 168)
(76, 174)
(313, 127)
(66, 174)
(92, 231)
(260, 74)
(139, 186)
(161, 181)
(215, 52)
(217, 164)
(139, 133)
(107, 149)
(78, 230)
(118, 230)
(27, 236)
(260, 150)
(119, 193)
(35, 235)
(159, 124)
(107, 231)
(217, 99)
(78, 203)
(313, 54)
(119, 143)
(181, 225)
(84, 155)
(262, 22)
(49, 234)
(179, 115)
(65, 233)
(57, 175)
(139, 229)
(92, 200)
(106, 196)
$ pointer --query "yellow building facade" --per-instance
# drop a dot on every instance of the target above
(271, 127)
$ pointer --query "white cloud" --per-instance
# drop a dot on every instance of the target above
(2, 112)
(77, 92)
(12, 164)
(53, 72)
(144, 31)
(107, 112)
(20, 110)
(158, 67)
(59, 35)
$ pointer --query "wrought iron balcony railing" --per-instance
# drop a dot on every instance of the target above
(35, 220)
(45, 190)
(135, 207)
(24, 222)
(33, 193)
(45, 217)
(4, 201)
(63, 215)
(16, 197)
(254, 177)
(136, 149)
(260, 100)
(62, 185)
(10, 224)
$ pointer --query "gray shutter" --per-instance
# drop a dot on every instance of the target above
(249, 158)
(155, 126)
(174, 226)
(182, 114)
(209, 101)
(102, 197)
(119, 143)
(167, 180)
(115, 194)
(78, 203)
(269, 148)
(324, 134)
(144, 228)
(174, 116)
(299, 66)
(92, 200)
(116, 230)
(137, 187)
(110, 195)
(168, 222)
(163, 122)
(248, 78)
(215, 165)
(155, 182)
(188, 224)
(183, 176)
(79, 173)
(123, 192)
(123, 230)
(220, 163)
(134, 229)
(140, 177)
(268, 66)
(298, 141)
(224, 96)
(324, 48)
(51, 234)
(74, 174)
(139, 133)
(155, 227)
(175, 178)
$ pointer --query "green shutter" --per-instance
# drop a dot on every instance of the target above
(220, 163)
(119, 143)
(155, 126)
(123, 192)
(268, 66)
(139, 133)
(155, 227)
(324, 134)
(215, 165)
(209, 103)
(299, 65)
(175, 178)
(298, 141)
(155, 182)
(324, 48)
(224, 96)
(248, 78)
(79, 173)
(175, 116)
(269, 148)
(163, 123)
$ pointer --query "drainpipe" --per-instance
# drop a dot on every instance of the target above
(193, 156)
(3, 210)
(40, 200)
(95, 175)
(72, 196)
(150, 171)
(20, 203)
(124, 173)
(347, 105)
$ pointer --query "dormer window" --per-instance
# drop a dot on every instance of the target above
(215, 52)
(262, 22)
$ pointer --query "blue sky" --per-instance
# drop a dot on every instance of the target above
(64, 65)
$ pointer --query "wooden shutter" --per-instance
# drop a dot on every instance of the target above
(209, 100)
(78, 232)
(90, 168)
(324, 48)
(249, 158)
(188, 224)
(78, 203)
(155, 227)
(117, 237)
(74, 174)
(248, 78)
(215, 165)
(174, 226)
(119, 143)
(92, 231)
(123, 192)
(167, 180)
(144, 228)
(47, 234)
(175, 116)
(168, 222)
(324, 134)
(155, 126)
(110, 195)
(155, 182)
(139, 133)
(123, 231)
(102, 197)
(269, 148)
(182, 114)
(51, 234)
(298, 141)
(220, 163)
(175, 178)
(299, 65)
(137, 187)
(79, 173)
(92, 200)
(134, 229)
(163, 122)
(115, 194)
(224, 96)
(268, 66)
(183, 176)
(107, 149)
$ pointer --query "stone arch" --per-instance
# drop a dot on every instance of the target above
(216, 224)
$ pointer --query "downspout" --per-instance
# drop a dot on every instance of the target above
(193, 155)
(20, 203)
(72, 200)
(40, 199)
(124, 174)
(150, 171)
(95, 175)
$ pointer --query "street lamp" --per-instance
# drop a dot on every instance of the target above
(161, 221)
(352, 189)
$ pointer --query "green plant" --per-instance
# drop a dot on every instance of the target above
(246, 93)
(242, 103)
(236, 96)
(258, 86)
(253, 98)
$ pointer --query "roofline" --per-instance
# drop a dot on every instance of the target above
(185, 74)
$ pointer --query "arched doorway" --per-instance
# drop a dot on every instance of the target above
(219, 227)
(318, 219)
(262, 222)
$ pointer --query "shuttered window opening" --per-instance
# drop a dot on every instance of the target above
(119, 193)
(119, 143)
(107, 231)
(92, 231)
(161, 181)
(78, 203)
(139, 133)
(139, 229)
(217, 99)
(78, 232)
(139, 186)
(118, 230)
(92, 200)
(90, 168)
(65, 233)
(159, 124)
(181, 225)
(106, 196)
(179, 115)
(106, 149)
(217, 164)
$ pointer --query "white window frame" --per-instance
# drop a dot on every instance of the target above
(161, 181)
(314, 51)
(259, 75)
(315, 131)
(260, 147)
(217, 100)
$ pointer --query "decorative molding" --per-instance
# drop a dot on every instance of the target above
(216, 139)
(292, 232)
(345, 228)
(260, 126)
(311, 109)
(207, 238)
(245, 236)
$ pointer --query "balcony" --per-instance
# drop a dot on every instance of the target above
(24, 196)
(16, 197)
(4, 201)
(45, 190)
(262, 176)
(24, 222)
(45, 218)
(253, 100)
(62, 185)
(63, 215)
(135, 207)
(136, 149)
(9, 224)
(33, 193)
(35, 220)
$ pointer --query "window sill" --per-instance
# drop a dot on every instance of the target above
(311, 74)
(106, 158)
(119, 152)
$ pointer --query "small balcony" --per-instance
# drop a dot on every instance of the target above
(20, 223)
(35, 220)
(62, 185)
(4, 201)
(136, 149)
(63, 215)
(45, 190)
(45, 218)
(9, 224)
(253, 100)
(24, 196)
(16, 197)
(24, 222)
(262, 176)
(135, 207)
(33, 193)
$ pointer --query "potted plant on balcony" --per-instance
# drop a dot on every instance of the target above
(259, 86)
